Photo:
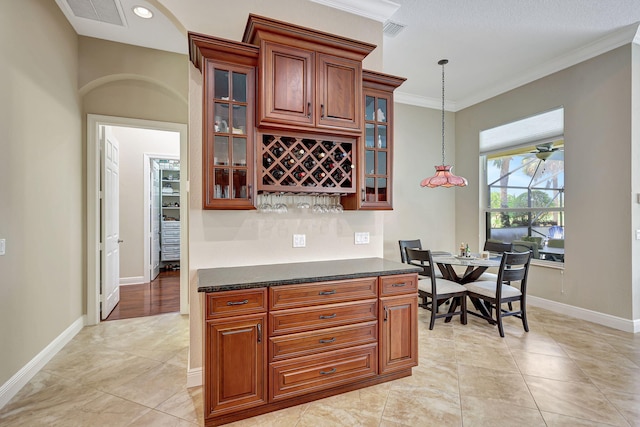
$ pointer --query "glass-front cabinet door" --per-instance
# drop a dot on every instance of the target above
(228, 157)
(376, 185)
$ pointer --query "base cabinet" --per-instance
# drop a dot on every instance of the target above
(270, 348)
(237, 345)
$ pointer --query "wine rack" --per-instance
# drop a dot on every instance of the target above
(306, 164)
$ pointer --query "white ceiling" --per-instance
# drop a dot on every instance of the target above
(492, 45)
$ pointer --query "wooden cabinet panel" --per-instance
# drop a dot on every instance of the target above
(305, 343)
(325, 316)
(287, 84)
(340, 91)
(304, 375)
(235, 364)
(308, 294)
(236, 303)
(398, 333)
(399, 284)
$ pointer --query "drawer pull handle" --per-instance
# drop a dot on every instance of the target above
(399, 285)
(386, 313)
(329, 372)
(331, 316)
(308, 110)
(327, 292)
(238, 302)
(328, 341)
(259, 327)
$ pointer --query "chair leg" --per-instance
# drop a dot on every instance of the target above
(434, 310)
(499, 319)
(452, 308)
(523, 314)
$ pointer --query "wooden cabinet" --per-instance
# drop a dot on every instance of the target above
(238, 363)
(228, 128)
(290, 110)
(375, 174)
(235, 364)
(266, 349)
(309, 79)
(398, 320)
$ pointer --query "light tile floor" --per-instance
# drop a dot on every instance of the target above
(565, 372)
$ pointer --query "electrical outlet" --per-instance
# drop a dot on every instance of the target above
(299, 240)
(3, 246)
(361, 238)
(637, 234)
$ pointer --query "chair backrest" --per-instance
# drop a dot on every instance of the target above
(498, 246)
(522, 246)
(514, 267)
(404, 244)
(556, 243)
(422, 258)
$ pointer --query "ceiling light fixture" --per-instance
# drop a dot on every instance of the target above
(142, 12)
(443, 176)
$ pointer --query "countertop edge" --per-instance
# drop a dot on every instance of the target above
(390, 268)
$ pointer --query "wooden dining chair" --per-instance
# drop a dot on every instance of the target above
(404, 244)
(497, 247)
(514, 268)
(435, 291)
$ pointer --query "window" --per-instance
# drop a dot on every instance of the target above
(525, 185)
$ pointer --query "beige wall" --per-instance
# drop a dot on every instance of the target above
(134, 144)
(600, 208)
(41, 283)
(236, 238)
(418, 212)
(635, 174)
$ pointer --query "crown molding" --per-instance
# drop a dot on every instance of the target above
(378, 10)
(625, 35)
(422, 101)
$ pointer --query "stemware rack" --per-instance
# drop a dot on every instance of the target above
(306, 164)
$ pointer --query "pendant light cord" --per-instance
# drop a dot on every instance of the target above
(443, 62)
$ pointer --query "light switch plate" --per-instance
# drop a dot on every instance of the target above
(637, 234)
(3, 246)
(299, 240)
(361, 238)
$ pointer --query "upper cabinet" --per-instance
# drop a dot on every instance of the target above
(291, 110)
(375, 177)
(308, 79)
(228, 172)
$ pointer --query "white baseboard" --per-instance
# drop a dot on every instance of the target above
(615, 322)
(194, 377)
(28, 371)
(136, 280)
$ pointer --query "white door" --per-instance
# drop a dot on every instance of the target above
(154, 209)
(109, 233)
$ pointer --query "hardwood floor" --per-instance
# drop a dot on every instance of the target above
(162, 295)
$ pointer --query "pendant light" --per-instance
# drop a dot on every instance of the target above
(443, 176)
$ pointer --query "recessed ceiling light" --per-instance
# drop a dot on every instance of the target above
(143, 12)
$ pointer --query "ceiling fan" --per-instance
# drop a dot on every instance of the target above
(544, 151)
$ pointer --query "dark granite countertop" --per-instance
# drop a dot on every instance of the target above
(257, 276)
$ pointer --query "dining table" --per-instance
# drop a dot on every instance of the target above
(474, 266)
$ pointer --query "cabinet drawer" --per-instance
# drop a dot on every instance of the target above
(170, 225)
(401, 284)
(293, 296)
(170, 240)
(170, 233)
(304, 319)
(313, 373)
(236, 303)
(305, 343)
